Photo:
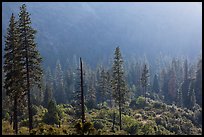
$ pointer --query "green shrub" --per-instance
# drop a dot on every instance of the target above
(90, 104)
(158, 120)
(175, 128)
(152, 113)
(51, 117)
(132, 104)
(103, 105)
(134, 128)
(144, 116)
(162, 131)
(24, 123)
(138, 116)
(24, 131)
(104, 113)
(7, 128)
(69, 111)
(147, 108)
(157, 105)
(148, 129)
(7, 116)
(34, 109)
(120, 132)
(164, 106)
(88, 128)
(44, 129)
(140, 102)
(98, 124)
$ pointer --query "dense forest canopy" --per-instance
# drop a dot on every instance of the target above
(102, 68)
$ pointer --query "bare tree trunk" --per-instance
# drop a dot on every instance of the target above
(82, 95)
(111, 103)
(15, 124)
(145, 94)
(120, 116)
(120, 122)
(11, 118)
(113, 127)
(28, 88)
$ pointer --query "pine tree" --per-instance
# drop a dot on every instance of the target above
(48, 91)
(76, 95)
(47, 95)
(155, 87)
(102, 86)
(191, 95)
(186, 69)
(52, 116)
(171, 96)
(144, 80)
(13, 83)
(59, 80)
(118, 82)
(179, 101)
(59, 83)
(198, 83)
(109, 89)
(162, 81)
(185, 84)
(30, 58)
(69, 83)
(91, 94)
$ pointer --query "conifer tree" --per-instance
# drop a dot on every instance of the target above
(13, 83)
(30, 58)
(109, 89)
(186, 69)
(198, 82)
(155, 87)
(69, 84)
(76, 95)
(59, 80)
(48, 94)
(171, 95)
(144, 80)
(191, 96)
(91, 93)
(179, 98)
(59, 83)
(52, 116)
(185, 84)
(118, 82)
(102, 86)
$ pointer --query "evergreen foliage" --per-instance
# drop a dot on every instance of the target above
(106, 100)
(52, 116)
(118, 82)
(30, 57)
(155, 87)
(13, 68)
(144, 80)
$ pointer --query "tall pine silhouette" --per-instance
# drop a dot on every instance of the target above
(118, 82)
(13, 83)
(30, 56)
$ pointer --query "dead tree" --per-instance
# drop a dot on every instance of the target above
(82, 95)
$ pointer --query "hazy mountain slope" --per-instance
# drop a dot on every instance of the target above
(93, 30)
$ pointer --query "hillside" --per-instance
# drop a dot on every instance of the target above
(101, 68)
(93, 30)
(156, 118)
